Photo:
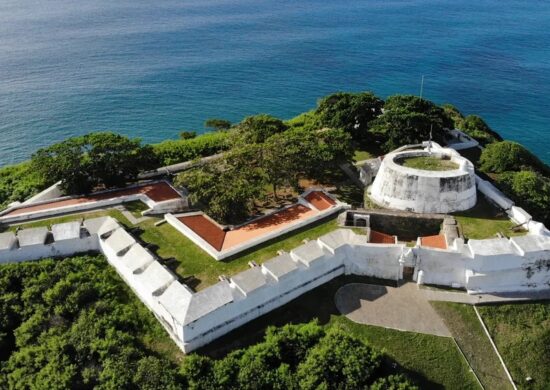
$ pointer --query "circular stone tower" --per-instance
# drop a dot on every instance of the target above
(431, 180)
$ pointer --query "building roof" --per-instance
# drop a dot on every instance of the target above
(267, 224)
(249, 280)
(490, 247)
(381, 238)
(208, 300)
(137, 258)
(320, 200)
(158, 192)
(119, 241)
(341, 237)
(7, 240)
(155, 278)
(32, 236)
(205, 228)
(438, 241)
(280, 266)
(532, 243)
(309, 253)
(66, 231)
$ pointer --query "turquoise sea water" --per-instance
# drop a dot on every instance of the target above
(151, 69)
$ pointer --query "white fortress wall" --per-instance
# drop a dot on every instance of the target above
(442, 267)
(52, 192)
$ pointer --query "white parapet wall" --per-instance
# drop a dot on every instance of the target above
(425, 191)
(194, 319)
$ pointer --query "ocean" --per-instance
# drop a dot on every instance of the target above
(151, 69)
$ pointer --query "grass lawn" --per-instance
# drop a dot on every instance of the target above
(199, 270)
(485, 221)
(431, 361)
(521, 332)
(361, 155)
(136, 207)
(467, 331)
(72, 217)
(429, 163)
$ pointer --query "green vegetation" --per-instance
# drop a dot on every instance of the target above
(409, 120)
(431, 362)
(73, 323)
(96, 159)
(506, 156)
(472, 125)
(175, 151)
(136, 207)
(294, 357)
(429, 163)
(361, 155)
(73, 217)
(18, 182)
(217, 124)
(484, 221)
(520, 175)
(352, 112)
(468, 332)
(522, 334)
(262, 155)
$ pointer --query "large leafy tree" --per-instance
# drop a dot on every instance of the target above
(352, 112)
(295, 357)
(257, 128)
(409, 119)
(96, 159)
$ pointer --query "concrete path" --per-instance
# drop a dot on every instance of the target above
(476, 299)
(130, 217)
(402, 308)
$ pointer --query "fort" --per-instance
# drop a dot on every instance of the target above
(368, 242)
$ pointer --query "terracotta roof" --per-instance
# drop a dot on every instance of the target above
(381, 238)
(267, 224)
(434, 241)
(158, 192)
(206, 229)
(320, 200)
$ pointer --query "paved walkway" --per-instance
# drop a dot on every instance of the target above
(476, 299)
(402, 308)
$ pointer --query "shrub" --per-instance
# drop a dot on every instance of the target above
(508, 156)
(18, 182)
(176, 151)
(529, 190)
(476, 128)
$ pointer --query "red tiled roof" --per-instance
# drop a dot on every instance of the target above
(206, 229)
(320, 200)
(156, 191)
(381, 238)
(434, 241)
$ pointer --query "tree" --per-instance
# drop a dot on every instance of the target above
(508, 156)
(478, 129)
(529, 190)
(257, 128)
(410, 120)
(217, 124)
(82, 163)
(186, 134)
(225, 188)
(393, 382)
(352, 112)
(338, 361)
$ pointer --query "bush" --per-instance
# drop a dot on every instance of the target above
(18, 182)
(476, 128)
(508, 156)
(73, 324)
(256, 129)
(529, 190)
(175, 151)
